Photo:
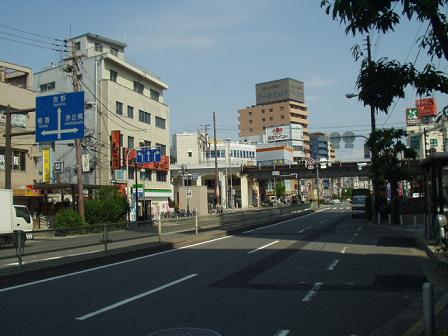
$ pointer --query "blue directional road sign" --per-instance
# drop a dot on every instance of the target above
(60, 117)
(148, 155)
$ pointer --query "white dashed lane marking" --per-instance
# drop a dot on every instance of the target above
(309, 296)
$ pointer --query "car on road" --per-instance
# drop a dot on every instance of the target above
(359, 206)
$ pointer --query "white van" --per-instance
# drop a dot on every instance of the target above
(359, 207)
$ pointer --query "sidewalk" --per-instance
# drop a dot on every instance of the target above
(440, 286)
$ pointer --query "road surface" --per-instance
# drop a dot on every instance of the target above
(321, 274)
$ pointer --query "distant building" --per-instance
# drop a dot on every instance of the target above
(17, 92)
(278, 103)
(270, 155)
(319, 146)
(189, 148)
(119, 97)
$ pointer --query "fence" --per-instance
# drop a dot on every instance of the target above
(53, 240)
(406, 221)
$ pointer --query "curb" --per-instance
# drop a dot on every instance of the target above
(44, 269)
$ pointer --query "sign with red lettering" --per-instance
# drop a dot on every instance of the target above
(427, 107)
(116, 150)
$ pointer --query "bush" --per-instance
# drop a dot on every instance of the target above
(108, 207)
(67, 218)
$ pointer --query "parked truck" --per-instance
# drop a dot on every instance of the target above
(15, 220)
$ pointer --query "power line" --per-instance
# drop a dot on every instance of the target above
(32, 44)
(34, 40)
(30, 33)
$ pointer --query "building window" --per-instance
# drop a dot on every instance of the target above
(190, 154)
(162, 149)
(130, 142)
(433, 142)
(47, 86)
(145, 175)
(113, 76)
(282, 117)
(251, 121)
(77, 45)
(146, 143)
(130, 173)
(271, 118)
(98, 47)
(138, 87)
(160, 122)
(270, 110)
(262, 111)
(130, 112)
(251, 129)
(282, 108)
(119, 108)
(144, 117)
(154, 95)
(223, 153)
(250, 114)
(264, 128)
(263, 119)
(114, 51)
(161, 176)
(18, 160)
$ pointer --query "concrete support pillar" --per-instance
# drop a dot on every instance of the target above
(244, 192)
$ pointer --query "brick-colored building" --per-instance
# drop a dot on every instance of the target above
(279, 102)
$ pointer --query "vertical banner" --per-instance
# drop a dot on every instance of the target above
(46, 165)
(115, 148)
(85, 163)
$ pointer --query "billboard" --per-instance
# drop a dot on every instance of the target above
(427, 107)
(46, 172)
(278, 133)
(412, 116)
(278, 90)
(116, 149)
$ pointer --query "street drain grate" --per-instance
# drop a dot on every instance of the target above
(400, 281)
(397, 242)
(185, 332)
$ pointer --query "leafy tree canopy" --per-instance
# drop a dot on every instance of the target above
(380, 82)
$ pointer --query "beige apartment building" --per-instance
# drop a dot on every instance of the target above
(16, 92)
(279, 103)
(120, 96)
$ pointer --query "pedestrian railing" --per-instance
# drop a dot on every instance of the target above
(101, 236)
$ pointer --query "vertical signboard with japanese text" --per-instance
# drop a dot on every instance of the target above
(46, 173)
(116, 150)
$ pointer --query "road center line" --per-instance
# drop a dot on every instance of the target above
(344, 249)
(133, 298)
(282, 333)
(333, 265)
(312, 292)
(264, 246)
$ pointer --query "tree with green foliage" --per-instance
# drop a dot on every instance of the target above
(389, 165)
(109, 206)
(280, 189)
(67, 218)
(380, 82)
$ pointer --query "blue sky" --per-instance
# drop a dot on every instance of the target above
(212, 53)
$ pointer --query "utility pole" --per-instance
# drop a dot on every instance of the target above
(75, 83)
(8, 150)
(217, 195)
(372, 109)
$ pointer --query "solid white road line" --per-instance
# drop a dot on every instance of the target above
(53, 258)
(312, 292)
(301, 231)
(264, 246)
(333, 265)
(107, 266)
(282, 333)
(344, 249)
(133, 298)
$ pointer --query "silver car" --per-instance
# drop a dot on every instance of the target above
(359, 206)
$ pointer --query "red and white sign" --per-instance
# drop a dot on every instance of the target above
(427, 107)
(278, 133)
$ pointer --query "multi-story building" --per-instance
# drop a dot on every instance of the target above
(280, 102)
(189, 148)
(123, 99)
(319, 146)
(16, 93)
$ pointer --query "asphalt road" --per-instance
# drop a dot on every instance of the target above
(320, 274)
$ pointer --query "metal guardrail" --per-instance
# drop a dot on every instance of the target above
(53, 240)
